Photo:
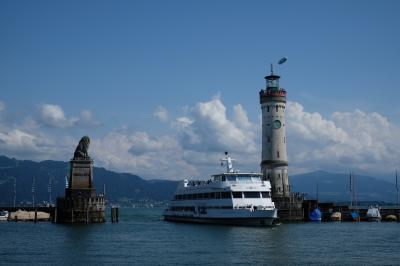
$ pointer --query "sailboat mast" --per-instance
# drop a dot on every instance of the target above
(351, 190)
(354, 191)
(317, 192)
(397, 189)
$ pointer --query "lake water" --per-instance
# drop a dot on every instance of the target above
(143, 238)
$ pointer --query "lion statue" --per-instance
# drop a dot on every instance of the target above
(81, 150)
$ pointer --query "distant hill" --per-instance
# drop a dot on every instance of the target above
(122, 188)
(335, 187)
(127, 189)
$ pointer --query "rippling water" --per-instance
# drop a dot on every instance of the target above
(142, 238)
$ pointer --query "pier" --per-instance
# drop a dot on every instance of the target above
(327, 208)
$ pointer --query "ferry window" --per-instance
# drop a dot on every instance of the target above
(225, 195)
(251, 194)
(265, 194)
(255, 178)
(213, 195)
(231, 178)
(206, 195)
(217, 195)
(244, 178)
(223, 178)
(185, 196)
(190, 196)
(237, 195)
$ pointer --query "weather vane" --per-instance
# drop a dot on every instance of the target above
(280, 62)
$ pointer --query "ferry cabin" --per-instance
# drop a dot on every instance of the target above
(226, 196)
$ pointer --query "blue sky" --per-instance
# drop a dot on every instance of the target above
(146, 76)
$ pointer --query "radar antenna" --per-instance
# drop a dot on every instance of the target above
(228, 161)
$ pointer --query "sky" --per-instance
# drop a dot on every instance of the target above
(164, 88)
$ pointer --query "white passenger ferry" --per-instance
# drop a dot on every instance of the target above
(227, 198)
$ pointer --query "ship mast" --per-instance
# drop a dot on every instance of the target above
(229, 165)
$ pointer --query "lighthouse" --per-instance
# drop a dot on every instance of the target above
(274, 163)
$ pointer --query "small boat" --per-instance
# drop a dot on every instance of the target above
(391, 218)
(315, 215)
(373, 214)
(336, 216)
(4, 215)
(355, 215)
(29, 216)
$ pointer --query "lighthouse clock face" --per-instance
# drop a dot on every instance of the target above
(276, 124)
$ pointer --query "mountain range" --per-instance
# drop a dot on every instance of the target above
(128, 189)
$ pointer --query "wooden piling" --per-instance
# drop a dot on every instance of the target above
(114, 214)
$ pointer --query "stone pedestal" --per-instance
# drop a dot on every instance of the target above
(80, 204)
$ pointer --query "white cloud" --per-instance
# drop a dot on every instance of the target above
(86, 119)
(144, 155)
(23, 144)
(211, 130)
(53, 115)
(360, 141)
(161, 113)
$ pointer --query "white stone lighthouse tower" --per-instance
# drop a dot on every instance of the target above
(274, 164)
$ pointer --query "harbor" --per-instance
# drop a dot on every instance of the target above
(142, 238)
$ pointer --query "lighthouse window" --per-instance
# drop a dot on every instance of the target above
(277, 154)
(276, 108)
(284, 139)
(269, 139)
(267, 108)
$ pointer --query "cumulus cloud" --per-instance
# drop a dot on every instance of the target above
(86, 119)
(23, 144)
(208, 128)
(360, 141)
(357, 140)
(161, 113)
(198, 140)
(365, 142)
(142, 154)
(53, 115)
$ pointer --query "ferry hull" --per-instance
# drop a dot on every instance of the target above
(232, 217)
(227, 221)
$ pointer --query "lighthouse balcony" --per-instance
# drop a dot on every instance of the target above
(273, 92)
